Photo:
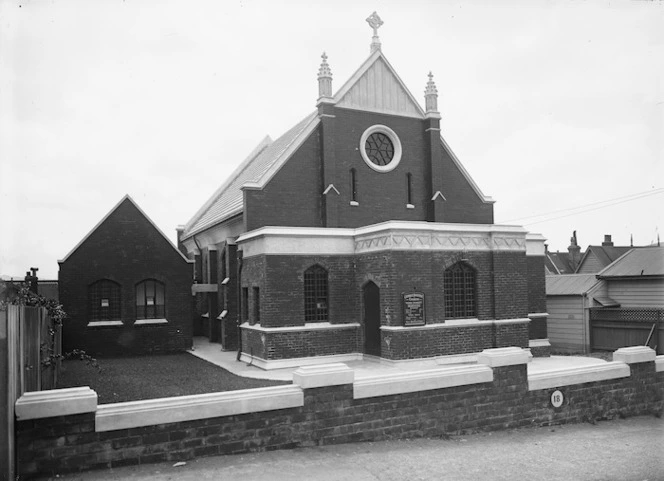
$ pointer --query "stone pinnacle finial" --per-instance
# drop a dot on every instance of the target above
(374, 22)
(324, 78)
(431, 95)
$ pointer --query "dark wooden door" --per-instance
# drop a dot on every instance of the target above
(371, 295)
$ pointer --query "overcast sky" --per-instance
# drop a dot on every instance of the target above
(549, 105)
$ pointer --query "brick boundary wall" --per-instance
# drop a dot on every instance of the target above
(325, 405)
(397, 343)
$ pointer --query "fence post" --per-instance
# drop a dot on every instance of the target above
(10, 377)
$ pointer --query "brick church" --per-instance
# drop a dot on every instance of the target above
(358, 233)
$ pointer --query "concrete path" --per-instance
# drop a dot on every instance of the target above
(211, 352)
(622, 450)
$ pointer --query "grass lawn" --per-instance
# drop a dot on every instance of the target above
(151, 377)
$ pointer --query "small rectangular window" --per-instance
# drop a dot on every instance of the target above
(245, 303)
(104, 303)
(257, 305)
(409, 188)
(353, 186)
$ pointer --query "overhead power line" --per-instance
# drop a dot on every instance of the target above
(590, 207)
(583, 209)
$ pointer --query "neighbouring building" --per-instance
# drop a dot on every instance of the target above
(563, 262)
(622, 305)
(597, 258)
(126, 288)
(359, 232)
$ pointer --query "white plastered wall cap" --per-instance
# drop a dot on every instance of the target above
(634, 354)
(504, 356)
(56, 402)
(332, 374)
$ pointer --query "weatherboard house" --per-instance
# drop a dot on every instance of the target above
(126, 288)
(358, 232)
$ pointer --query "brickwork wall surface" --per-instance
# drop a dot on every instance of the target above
(287, 345)
(536, 284)
(510, 285)
(127, 249)
(416, 343)
(330, 415)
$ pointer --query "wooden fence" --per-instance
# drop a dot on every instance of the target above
(613, 328)
(27, 341)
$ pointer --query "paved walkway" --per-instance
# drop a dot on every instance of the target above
(620, 450)
(211, 352)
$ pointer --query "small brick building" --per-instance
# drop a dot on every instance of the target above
(126, 288)
(358, 232)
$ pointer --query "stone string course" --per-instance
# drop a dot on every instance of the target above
(331, 415)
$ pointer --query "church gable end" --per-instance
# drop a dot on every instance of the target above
(379, 89)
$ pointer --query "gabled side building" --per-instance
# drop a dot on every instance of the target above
(126, 288)
(359, 233)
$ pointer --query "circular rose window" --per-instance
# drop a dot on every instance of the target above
(380, 148)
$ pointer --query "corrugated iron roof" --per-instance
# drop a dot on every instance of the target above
(569, 284)
(227, 200)
(643, 261)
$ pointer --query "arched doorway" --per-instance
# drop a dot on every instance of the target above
(371, 296)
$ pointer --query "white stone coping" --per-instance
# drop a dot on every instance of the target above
(659, 364)
(504, 356)
(104, 323)
(535, 245)
(144, 322)
(523, 320)
(323, 375)
(310, 326)
(391, 235)
(634, 354)
(150, 412)
(577, 375)
(415, 381)
(204, 288)
(56, 402)
(455, 324)
(298, 361)
(539, 343)
(532, 315)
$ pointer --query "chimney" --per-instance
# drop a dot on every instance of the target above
(180, 230)
(574, 252)
(607, 241)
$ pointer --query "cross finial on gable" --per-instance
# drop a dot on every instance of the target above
(324, 79)
(431, 96)
(374, 22)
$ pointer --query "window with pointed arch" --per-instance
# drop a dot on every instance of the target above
(315, 294)
(104, 301)
(150, 300)
(460, 291)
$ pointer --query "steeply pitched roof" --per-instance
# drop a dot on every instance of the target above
(640, 262)
(256, 170)
(604, 254)
(570, 284)
(126, 198)
(558, 262)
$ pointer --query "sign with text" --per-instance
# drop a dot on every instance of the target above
(413, 309)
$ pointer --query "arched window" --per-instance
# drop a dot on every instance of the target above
(150, 300)
(104, 301)
(315, 294)
(460, 298)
